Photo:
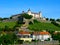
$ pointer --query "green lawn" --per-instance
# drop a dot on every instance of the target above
(10, 24)
(43, 26)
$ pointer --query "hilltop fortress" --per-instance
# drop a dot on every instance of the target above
(35, 15)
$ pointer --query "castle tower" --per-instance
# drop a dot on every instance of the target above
(40, 14)
(29, 11)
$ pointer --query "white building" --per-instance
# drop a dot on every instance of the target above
(42, 36)
(35, 15)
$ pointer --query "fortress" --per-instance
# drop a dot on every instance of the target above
(35, 15)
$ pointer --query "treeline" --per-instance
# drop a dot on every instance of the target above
(51, 19)
(56, 24)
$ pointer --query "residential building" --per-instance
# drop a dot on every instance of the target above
(25, 36)
(42, 36)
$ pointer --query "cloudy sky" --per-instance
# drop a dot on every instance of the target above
(49, 8)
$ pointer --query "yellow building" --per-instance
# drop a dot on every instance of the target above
(25, 36)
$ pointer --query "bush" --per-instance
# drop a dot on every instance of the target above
(35, 21)
(20, 41)
(56, 24)
(52, 19)
(30, 22)
(58, 20)
(47, 18)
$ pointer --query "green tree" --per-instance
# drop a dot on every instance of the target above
(56, 24)
(56, 36)
(9, 38)
(47, 18)
(5, 18)
(26, 16)
(58, 20)
(10, 17)
(51, 19)
(6, 28)
(1, 19)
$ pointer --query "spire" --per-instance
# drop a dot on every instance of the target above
(29, 9)
(39, 12)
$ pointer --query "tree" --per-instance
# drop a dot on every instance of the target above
(10, 17)
(47, 18)
(56, 36)
(26, 16)
(6, 28)
(1, 19)
(52, 19)
(5, 18)
(9, 38)
(58, 20)
(20, 20)
(56, 24)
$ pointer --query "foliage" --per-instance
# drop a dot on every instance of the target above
(20, 41)
(30, 22)
(10, 17)
(58, 20)
(35, 21)
(1, 19)
(52, 19)
(47, 18)
(20, 20)
(38, 26)
(26, 16)
(5, 18)
(56, 24)
(6, 28)
(8, 39)
(56, 36)
(10, 24)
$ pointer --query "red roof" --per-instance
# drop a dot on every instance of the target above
(41, 33)
(44, 33)
(35, 33)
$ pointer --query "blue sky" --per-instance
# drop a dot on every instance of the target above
(49, 8)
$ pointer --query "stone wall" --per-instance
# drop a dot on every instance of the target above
(42, 43)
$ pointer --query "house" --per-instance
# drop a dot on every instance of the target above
(42, 36)
(25, 36)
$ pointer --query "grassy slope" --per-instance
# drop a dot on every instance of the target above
(43, 26)
(10, 24)
(36, 26)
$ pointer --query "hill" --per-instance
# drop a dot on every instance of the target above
(9, 24)
(38, 26)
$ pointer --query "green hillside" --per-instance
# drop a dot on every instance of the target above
(10, 24)
(38, 26)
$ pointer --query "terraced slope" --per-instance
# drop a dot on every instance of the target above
(43, 26)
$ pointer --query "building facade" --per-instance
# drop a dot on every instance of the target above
(35, 15)
(27, 36)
